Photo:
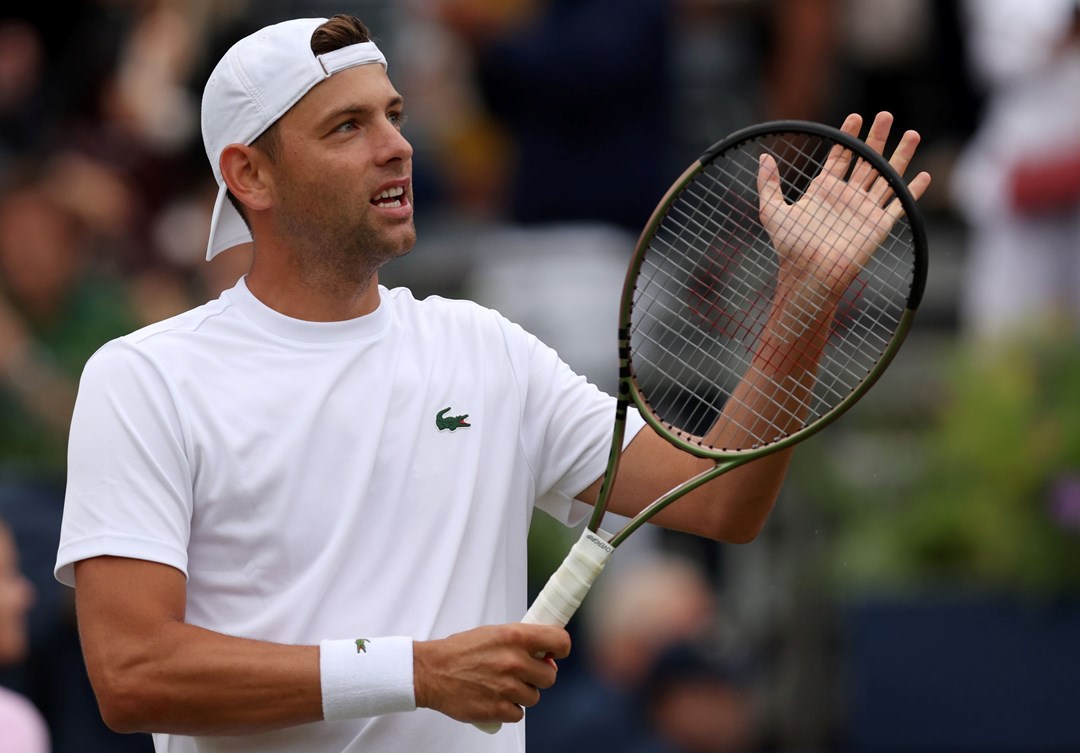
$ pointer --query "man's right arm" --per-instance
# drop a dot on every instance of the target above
(153, 672)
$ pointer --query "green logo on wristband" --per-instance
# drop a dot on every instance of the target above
(361, 645)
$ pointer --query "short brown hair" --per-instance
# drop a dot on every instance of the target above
(340, 31)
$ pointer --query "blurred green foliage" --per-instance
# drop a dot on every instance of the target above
(982, 493)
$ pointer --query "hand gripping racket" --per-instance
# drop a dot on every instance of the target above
(772, 286)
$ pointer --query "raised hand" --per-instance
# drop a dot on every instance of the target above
(830, 232)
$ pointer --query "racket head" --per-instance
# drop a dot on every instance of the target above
(702, 278)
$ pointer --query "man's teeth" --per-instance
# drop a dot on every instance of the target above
(390, 193)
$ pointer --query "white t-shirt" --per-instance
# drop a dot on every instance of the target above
(311, 481)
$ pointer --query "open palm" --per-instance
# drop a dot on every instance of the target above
(830, 232)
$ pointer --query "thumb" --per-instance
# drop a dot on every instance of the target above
(770, 198)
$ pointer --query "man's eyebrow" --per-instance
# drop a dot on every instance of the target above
(365, 110)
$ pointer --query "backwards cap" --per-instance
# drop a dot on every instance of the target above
(254, 84)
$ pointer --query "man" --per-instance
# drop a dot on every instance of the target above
(290, 509)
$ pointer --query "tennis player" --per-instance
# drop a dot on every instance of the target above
(296, 516)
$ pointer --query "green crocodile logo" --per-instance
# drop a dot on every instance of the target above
(361, 645)
(450, 422)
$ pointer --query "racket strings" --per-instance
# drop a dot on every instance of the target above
(692, 227)
(708, 288)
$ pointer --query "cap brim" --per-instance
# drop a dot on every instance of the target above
(227, 228)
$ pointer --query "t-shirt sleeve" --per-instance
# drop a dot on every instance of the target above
(566, 429)
(129, 485)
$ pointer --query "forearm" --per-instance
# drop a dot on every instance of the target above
(771, 402)
(153, 672)
(192, 681)
(773, 398)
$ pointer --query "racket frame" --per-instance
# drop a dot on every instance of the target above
(628, 390)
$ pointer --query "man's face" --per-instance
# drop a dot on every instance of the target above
(342, 182)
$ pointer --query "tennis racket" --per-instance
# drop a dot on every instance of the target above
(770, 289)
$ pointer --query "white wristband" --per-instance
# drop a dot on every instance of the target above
(366, 677)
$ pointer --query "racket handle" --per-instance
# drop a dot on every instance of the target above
(566, 588)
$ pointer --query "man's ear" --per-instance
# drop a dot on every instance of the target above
(246, 173)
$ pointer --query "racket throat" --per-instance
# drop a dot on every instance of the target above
(617, 436)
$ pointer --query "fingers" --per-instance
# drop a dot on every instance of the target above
(770, 196)
(852, 124)
(879, 131)
(880, 192)
(840, 158)
(546, 640)
(864, 174)
(866, 177)
(919, 184)
(905, 150)
(917, 187)
(489, 673)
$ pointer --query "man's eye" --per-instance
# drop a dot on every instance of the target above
(348, 125)
(398, 119)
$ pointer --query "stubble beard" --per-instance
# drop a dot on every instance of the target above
(341, 254)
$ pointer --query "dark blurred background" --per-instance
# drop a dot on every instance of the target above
(916, 588)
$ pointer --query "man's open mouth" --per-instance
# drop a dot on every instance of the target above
(390, 197)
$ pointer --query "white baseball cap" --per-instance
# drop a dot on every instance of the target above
(254, 84)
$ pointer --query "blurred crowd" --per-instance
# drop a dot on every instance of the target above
(544, 133)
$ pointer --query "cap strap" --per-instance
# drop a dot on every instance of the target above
(361, 53)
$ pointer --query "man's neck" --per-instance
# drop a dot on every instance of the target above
(312, 299)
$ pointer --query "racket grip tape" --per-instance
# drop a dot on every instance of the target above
(566, 588)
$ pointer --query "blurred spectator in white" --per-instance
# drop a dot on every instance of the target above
(1018, 182)
(22, 728)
